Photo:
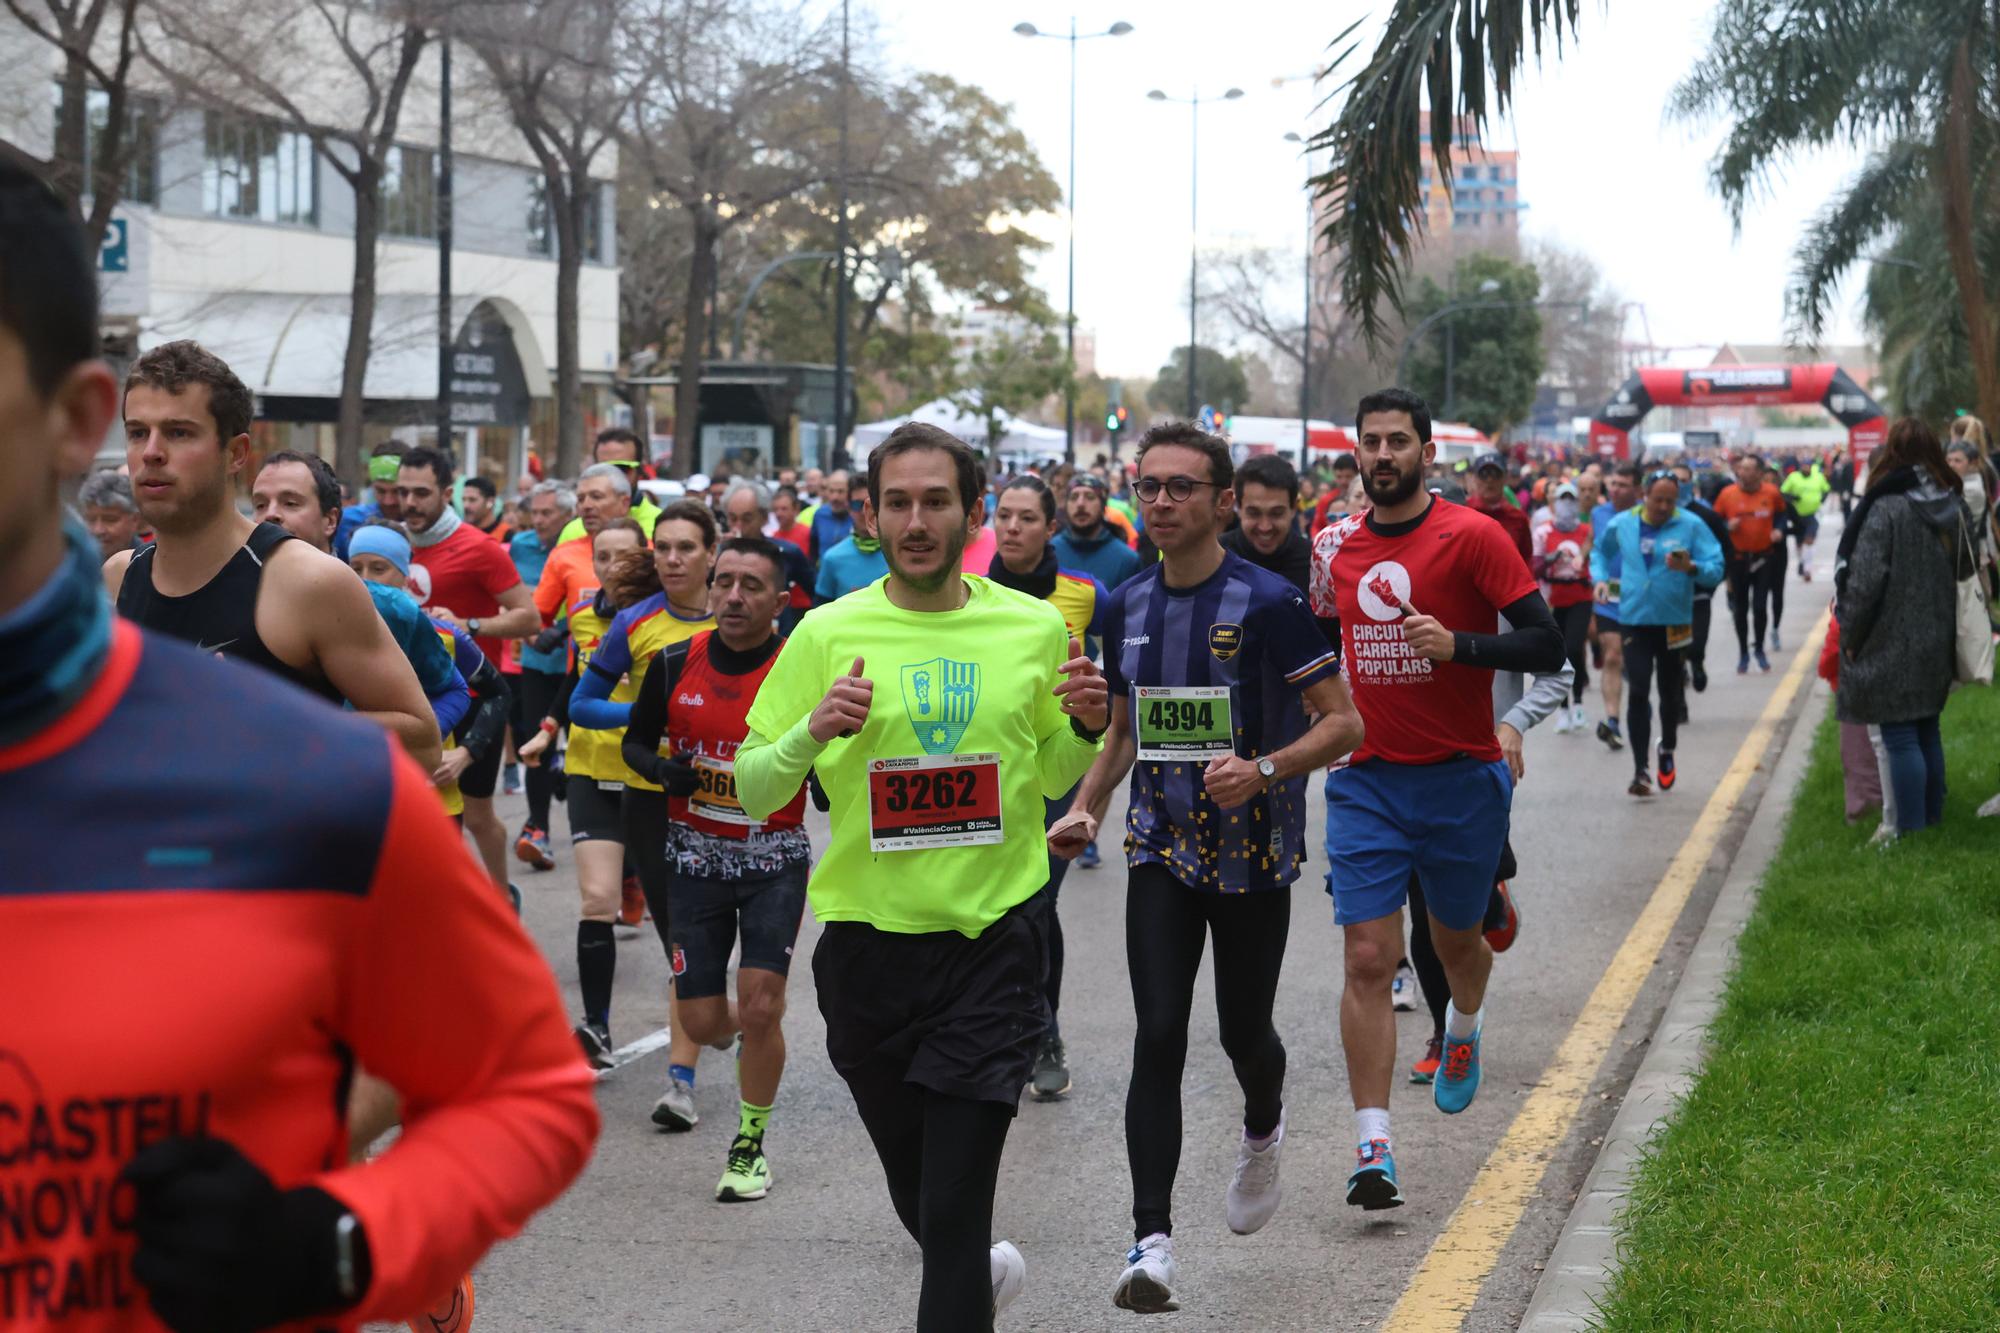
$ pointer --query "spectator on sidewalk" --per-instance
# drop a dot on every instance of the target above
(1896, 597)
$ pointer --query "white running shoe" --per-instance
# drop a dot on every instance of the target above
(675, 1109)
(1147, 1284)
(1403, 988)
(1565, 720)
(1010, 1274)
(1577, 721)
(1254, 1191)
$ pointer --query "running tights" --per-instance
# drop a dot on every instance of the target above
(1167, 925)
(1423, 952)
(1058, 869)
(1703, 617)
(645, 814)
(1752, 581)
(942, 1159)
(534, 698)
(1574, 622)
(1647, 658)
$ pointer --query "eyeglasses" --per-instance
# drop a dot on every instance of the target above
(1178, 489)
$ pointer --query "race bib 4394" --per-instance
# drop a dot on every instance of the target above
(1182, 723)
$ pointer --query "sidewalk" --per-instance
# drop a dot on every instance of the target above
(1768, 1167)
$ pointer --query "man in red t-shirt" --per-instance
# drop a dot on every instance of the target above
(1488, 496)
(470, 581)
(1415, 588)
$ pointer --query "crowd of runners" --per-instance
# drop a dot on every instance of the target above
(961, 672)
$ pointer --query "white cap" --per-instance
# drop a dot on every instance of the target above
(698, 482)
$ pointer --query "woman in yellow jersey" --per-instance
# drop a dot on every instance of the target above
(684, 539)
(596, 782)
(1024, 520)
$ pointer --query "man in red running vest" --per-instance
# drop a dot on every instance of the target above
(734, 875)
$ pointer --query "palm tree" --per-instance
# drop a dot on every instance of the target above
(1917, 75)
(1464, 55)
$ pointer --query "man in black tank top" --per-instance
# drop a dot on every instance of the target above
(228, 585)
(221, 616)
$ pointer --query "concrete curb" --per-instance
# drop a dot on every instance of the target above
(1585, 1256)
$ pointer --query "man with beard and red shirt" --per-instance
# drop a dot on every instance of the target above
(1488, 495)
(1416, 587)
(472, 584)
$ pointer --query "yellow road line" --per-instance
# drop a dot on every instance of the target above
(1445, 1285)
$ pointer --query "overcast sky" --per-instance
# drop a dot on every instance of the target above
(1601, 168)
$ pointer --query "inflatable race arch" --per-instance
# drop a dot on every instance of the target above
(1738, 386)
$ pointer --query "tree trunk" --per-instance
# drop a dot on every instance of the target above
(694, 336)
(367, 183)
(570, 246)
(72, 136)
(1956, 182)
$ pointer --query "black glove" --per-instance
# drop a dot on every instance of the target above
(677, 776)
(817, 792)
(223, 1250)
(549, 639)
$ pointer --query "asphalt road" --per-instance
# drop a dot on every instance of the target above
(640, 1243)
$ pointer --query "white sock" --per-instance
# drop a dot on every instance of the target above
(1463, 1027)
(1371, 1122)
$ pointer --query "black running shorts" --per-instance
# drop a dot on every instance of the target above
(959, 1016)
(706, 914)
(596, 810)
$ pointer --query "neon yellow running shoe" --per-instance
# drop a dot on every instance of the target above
(748, 1175)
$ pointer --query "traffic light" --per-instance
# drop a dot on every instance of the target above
(1115, 419)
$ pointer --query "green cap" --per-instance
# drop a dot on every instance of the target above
(384, 467)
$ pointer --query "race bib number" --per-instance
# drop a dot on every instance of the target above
(715, 799)
(933, 800)
(1182, 723)
(1679, 636)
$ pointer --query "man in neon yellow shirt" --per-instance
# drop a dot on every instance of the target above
(930, 967)
(1806, 488)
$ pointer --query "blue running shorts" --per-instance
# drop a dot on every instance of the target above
(1446, 823)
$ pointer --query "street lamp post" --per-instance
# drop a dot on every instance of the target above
(1193, 104)
(1306, 329)
(1118, 29)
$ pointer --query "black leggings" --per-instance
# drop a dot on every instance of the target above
(1703, 617)
(1647, 658)
(1167, 925)
(1423, 951)
(941, 1156)
(1750, 597)
(1574, 621)
(534, 696)
(646, 818)
(1058, 868)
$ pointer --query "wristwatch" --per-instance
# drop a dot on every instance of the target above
(1267, 770)
(472, 627)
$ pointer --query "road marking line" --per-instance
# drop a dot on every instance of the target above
(646, 1045)
(1442, 1291)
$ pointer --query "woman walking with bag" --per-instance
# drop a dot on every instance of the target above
(1896, 581)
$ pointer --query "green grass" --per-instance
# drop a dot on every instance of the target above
(1837, 1164)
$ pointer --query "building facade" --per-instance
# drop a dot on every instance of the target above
(235, 231)
(1482, 199)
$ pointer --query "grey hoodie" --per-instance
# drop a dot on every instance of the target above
(1899, 607)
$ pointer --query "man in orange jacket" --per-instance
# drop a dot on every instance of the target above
(281, 896)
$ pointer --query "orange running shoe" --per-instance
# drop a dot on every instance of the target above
(453, 1314)
(632, 903)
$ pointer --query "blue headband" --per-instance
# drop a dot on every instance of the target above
(385, 542)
